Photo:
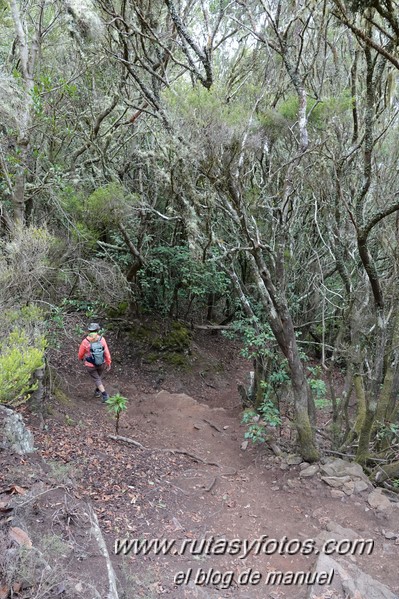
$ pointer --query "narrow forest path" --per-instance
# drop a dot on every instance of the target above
(209, 489)
(149, 492)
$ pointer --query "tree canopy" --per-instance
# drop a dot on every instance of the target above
(215, 162)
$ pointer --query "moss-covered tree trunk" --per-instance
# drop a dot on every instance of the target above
(386, 471)
(302, 400)
(361, 403)
(305, 415)
(384, 407)
(365, 435)
(364, 225)
(373, 394)
(27, 54)
(276, 306)
(283, 329)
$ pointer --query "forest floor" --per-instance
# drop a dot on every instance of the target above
(187, 478)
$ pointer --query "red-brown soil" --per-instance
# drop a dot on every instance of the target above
(154, 492)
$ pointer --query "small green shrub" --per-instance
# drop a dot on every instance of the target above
(267, 416)
(18, 361)
(270, 413)
(256, 430)
(319, 111)
(388, 432)
(115, 405)
(318, 387)
(109, 205)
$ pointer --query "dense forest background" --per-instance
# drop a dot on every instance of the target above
(230, 163)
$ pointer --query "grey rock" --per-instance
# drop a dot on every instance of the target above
(294, 460)
(335, 532)
(338, 467)
(304, 465)
(344, 475)
(349, 487)
(276, 449)
(348, 579)
(340, 532)
(13, 433)
(335, 481)
(379, 501)
(309, 471)
(337, 494)
(391, 535)
(361, 485)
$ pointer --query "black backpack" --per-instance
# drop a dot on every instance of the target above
(96, 353)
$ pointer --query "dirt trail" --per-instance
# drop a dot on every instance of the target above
(227, 493)
(247, 497)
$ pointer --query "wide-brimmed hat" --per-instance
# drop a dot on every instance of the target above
(93, 327)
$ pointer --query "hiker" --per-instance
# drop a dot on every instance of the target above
(94, 353)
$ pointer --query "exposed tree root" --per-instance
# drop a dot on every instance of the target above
(128, 440)
(209, 488)
(112, 593)
(194, 457)
(212, 425)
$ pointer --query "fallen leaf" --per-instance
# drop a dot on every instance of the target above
(16, 587)
(177, 524)
(4, 506)
(4, 592)
(15, 489)
(20, 536)
(19, 490)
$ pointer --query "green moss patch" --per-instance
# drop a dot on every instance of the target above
(171, 346)
(60, 396)
(176, 339)
(175, 359)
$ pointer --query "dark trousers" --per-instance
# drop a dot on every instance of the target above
(96, 373)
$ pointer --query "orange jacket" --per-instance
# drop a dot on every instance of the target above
(84, 350)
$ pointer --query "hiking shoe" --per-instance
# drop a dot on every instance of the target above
(97, 393)
(104, 398)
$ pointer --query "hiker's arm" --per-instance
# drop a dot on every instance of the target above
(107, 355)
(82, 350)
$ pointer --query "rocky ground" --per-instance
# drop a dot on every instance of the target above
(183, 474)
